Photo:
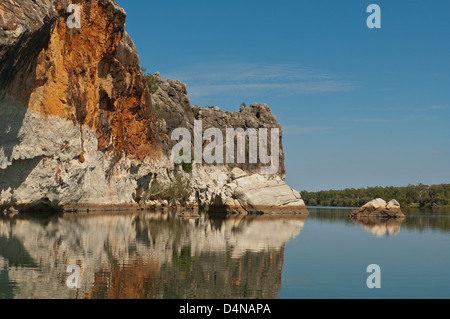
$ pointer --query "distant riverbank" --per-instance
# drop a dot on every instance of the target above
(415, 196)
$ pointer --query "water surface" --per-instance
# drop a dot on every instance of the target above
(330, 258)
(162, 256)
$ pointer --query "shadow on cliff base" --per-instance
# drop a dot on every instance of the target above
(17, 78)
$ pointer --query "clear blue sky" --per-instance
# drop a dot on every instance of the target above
(359, 107)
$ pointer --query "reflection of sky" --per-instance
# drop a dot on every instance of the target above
(329, 260)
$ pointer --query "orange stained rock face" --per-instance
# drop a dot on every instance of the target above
(80, 77)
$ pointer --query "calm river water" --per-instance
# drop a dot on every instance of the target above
(161, 256)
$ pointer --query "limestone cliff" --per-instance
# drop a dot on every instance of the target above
(78, 124)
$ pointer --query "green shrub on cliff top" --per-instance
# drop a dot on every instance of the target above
(152, 83)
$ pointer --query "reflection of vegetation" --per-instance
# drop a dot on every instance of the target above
(427, 219)
(329, 215)
(416, 218)
(184, 261)
(412, 195)
(15, 253)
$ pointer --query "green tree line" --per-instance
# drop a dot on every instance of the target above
(410, 196)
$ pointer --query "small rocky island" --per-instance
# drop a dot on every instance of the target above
(379, 208)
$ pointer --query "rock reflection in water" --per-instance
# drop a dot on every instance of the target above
(145, 256)
(380, 226)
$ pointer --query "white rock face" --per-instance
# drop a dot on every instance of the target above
(260, 194)
(393, 204)
(381, 203)
(260, 190)
(41, 160)
(376, 203)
